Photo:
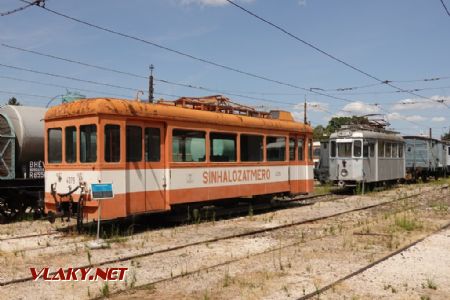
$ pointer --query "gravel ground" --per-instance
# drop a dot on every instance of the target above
(421, 271)
(293, 271)
(281, 264)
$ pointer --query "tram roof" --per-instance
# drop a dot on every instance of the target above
(346, 133)
(137, 109)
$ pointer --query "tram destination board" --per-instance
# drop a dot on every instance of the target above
(102, 191)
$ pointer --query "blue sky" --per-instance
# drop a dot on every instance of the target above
(398, 40)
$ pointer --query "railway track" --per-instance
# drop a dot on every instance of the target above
(327, 287)
(216, 239)
(233, 212)
(320, 291)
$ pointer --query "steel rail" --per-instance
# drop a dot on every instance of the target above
(216, 239)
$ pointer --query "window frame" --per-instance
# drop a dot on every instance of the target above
(75, 150)
(267, 149)
(350, 154)
(160, 137)
(211, 139)
(128, 158)
(333, 149)
(301, 150)
(205, 137)
(294, 148)
(380, 149)
(48, 145)
(361, 150)
(262, 147)
(96, 143)
(120, 143)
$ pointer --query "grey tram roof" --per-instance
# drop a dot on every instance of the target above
(422, 137)
(368, 134)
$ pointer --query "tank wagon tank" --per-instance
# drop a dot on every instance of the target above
(425, 157)
(363, 154)
(21, 160)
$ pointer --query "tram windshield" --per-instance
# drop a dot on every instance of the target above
(344, 149)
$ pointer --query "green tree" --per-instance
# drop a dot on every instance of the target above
(13, 101)
(319, 132)
(446, 136)
(335, 123)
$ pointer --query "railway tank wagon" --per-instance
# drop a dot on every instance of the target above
(170, 153)
(21, 160)
(365, 154)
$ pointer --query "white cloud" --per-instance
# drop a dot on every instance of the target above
(360, 107)
(208, 2)
(418, 104)
(205, 2)
(396, 116)
(312, 106)
(438, 119)
(302, 2)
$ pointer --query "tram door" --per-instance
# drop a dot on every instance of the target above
(155, 167)
(295, 156)
(135, 177)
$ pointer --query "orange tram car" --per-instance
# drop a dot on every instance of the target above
(157, 155)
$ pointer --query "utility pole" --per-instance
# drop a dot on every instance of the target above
(150, 85)
(304, 113)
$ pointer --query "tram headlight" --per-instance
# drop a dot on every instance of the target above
(344, 172)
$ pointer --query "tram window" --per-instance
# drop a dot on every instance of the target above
(344, 149)
(152, 144)
(251, 147)
(333, 149)
(112, 143)
(188, 146)
(276, 148)
(310, 150)
(388, 149)
(316, 153)
(223, 147)
(134, 143)
(380, 148)
(88, 143)
(395, 150)
(291, 149)
(357, 148)
(71, 144)
(371, 149)
(55, 145)
(400, 150)
(366, 149)
(300, 142)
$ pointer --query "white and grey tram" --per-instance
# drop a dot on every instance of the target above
(365, 155)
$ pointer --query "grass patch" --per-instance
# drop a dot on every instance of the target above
(408, 223)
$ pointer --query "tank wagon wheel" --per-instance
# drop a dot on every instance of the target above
(9, 213)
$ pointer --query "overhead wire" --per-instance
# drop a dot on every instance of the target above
(445, 7)
(62, 86)
(203, 60)
(387, 82)
(210, 62)
(103, 68)
(69, 77)
(7, 13)
(227, 92)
